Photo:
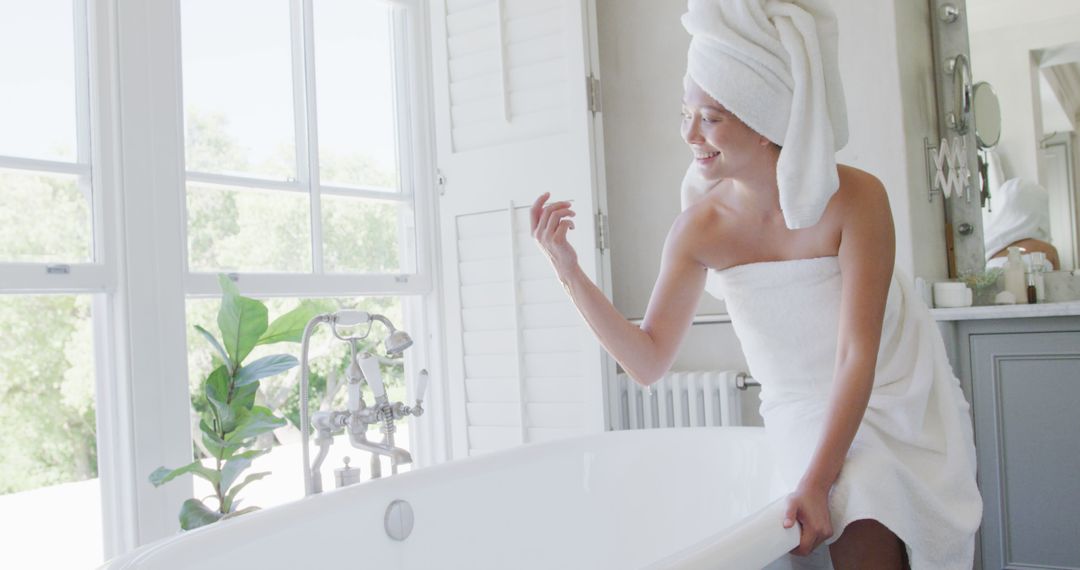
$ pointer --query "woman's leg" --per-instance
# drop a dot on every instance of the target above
(866, 543)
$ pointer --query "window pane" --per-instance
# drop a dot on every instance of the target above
(49, 448)
(37, 79)
(367, 236)
(238, 93)
(248, 230)
(328, 358)
(44, 218)
(355, 91)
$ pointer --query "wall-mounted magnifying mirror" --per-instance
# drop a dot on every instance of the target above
(987, 115)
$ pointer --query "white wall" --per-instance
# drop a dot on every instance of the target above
(888, 72)
(642, 61)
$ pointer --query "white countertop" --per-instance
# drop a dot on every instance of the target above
(1071, 308)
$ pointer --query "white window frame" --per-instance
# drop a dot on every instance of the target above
(131, 141)
(416, 151)
(65, 277)
(305, 111)
(154, 279)
(96, 161)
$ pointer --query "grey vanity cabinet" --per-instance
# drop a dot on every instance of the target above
(1024, 387)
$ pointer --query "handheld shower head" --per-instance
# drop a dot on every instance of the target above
(397, 342)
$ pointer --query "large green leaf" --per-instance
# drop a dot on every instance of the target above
(242, 322)
(253, 423)
(216, 389)
(217, 346)
(163, 475)
(193, 514)
(216, 386)
(253, 453)
(244, 396)
(290, 326)
(230, 497)
(228, 286)
(264, 367)
(217, 446)
(236, 465)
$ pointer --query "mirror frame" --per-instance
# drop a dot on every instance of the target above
(981, 103)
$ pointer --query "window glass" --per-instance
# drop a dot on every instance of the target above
(367, 236)
(328, 358)
(49, 447)
(37, 79)
(233, 229)
(238, 94)
(44, 218)
(355, 90)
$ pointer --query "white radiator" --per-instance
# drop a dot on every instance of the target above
(679, 399)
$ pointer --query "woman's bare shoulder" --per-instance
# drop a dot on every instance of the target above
(698, 222)
(708, 232)
(860, 191)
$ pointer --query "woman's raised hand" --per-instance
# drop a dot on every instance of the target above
(549, 225)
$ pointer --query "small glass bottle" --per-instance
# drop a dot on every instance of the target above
(1032, 294)
(1038, 268)
(1014, 275)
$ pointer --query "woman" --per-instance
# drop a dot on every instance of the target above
(1019, 215)
(869, 425)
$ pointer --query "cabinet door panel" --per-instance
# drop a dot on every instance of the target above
(1026, 392)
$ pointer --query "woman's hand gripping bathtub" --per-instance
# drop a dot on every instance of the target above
(809, 506)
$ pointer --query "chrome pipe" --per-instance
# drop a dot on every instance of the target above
(744, 381)
(305, 419)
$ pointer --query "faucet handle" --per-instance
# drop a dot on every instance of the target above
(421, 385)
(369, 364)
(354, 399)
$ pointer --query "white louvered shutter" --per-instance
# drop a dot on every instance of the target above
(513, 122)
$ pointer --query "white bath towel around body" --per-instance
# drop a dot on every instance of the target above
(912, 463)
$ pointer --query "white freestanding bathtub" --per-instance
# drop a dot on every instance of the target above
(664, 498)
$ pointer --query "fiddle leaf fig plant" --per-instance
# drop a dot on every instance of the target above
(231, 422)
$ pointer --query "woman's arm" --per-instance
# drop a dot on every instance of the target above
(646, 352)
(867, 255)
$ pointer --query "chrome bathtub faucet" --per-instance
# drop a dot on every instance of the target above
(355, 419)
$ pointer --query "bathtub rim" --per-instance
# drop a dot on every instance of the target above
(150, 551)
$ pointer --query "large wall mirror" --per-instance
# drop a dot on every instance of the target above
(1025, 61)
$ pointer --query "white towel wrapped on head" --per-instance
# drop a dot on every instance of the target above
(1020, 209)
(995, 173)
(773, 64)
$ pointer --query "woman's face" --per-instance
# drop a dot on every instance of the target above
(723, 146)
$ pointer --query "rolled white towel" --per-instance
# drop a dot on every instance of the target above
(1020, 209)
